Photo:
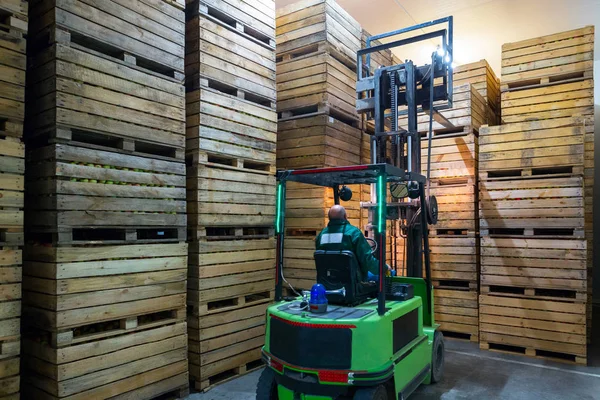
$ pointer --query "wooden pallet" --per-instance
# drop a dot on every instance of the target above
(558, 56)
(483, 78)
(219, 54)
(82, 293)
(538, 144)
(457, 206)
(140, 364)
(251, 19)
(311, 23)
(553, 204)
(222, 124)
(454, 262)
(535, 267)
(225, 344)
(134, 31)
(539, 328)
(314, 82)
(317, 141)
(219, 195)
(453, 157)
(457, 313)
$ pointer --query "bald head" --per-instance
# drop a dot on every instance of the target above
(337, 212)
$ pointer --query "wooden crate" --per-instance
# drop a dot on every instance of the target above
(316, 82)
(540, 268)
(318, 141)
(221, 57)
(552, 58)
(230, 274)
(12, 185)
(252, 19)
(317, 24)
(105, 321)
(148, 35)
(228, 196)
(538, 328)
(532, 207)
(144, 363)
(10, 321)
(12, 66)
(378, 59)
(457, 210)
(454, 262)
(83, 293)
(88, 96)
(220, 124)
(225, 344)
(482, 77)
(78, 193)
(532, 148)
(549, 101)
(453, 157)
(457, 313)
(469, 109)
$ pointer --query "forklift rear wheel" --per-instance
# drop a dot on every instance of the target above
(437, 357)
(267, 386)
(373, 393)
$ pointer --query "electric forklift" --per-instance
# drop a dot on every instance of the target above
(349, 338)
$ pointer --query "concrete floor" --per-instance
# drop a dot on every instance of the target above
(476, 374)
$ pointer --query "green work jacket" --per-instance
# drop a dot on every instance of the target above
(341, 235)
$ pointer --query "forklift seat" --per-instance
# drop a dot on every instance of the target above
(339, 269)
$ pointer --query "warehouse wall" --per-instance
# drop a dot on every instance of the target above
(481, 27)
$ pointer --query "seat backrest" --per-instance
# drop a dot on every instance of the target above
(339, 269)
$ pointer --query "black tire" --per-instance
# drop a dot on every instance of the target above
(372, 393)
(266, 389)
(437, 357)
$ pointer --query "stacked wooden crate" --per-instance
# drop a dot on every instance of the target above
(552, 77)
(533, 247)
(317, 43)
(12, 168)
(105, 265)
(482, 77)
(230, 153)
(454, 242)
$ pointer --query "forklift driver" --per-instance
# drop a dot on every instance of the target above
(341, 235)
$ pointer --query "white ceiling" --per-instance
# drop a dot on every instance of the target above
(481, 26)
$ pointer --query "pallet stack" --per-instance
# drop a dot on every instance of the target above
(551, 77)
(230, 153)
(453, 240)
(12, 180)
(318, 125)
(482, 77)
(533, 247)
(106, 261)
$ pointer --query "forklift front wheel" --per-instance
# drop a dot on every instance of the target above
(437, 357)
(267, 386)
(372, 393)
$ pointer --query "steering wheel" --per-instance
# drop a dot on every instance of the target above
(373, 244)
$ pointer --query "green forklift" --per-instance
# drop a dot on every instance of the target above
(351, 337)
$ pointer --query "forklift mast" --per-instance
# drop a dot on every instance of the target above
(404, 90)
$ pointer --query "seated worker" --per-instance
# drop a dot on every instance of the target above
(341, 235)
